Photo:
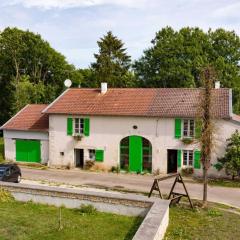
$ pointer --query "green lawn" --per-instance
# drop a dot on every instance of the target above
(221, 182)
(1, 150)
(208, 224)
(25, 221)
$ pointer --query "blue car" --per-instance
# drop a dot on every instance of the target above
(10, 173)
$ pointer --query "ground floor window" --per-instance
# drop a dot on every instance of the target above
(91, 154)
(188, 158)
(124, 153)
(147, 155)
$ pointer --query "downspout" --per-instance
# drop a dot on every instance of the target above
(157, 128)
(230, 104)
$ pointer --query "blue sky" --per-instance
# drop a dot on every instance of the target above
(74, 26)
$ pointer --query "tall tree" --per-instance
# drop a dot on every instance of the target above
(206, 139)
(176, 58)
(25, 55)
(112, 62)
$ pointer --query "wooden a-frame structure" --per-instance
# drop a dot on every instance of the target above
(173, 196)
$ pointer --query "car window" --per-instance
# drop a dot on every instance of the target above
(8, 172)
(2, 170)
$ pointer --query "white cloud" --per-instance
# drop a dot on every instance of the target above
(64, 4)
(231, 10)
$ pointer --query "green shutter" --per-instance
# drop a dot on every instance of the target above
(69, 126)
(178, 128)
(99, 155)
(197, 159)
(86, 129)
(198, 128)
(179, 158)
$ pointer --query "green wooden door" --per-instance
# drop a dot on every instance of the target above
(28, 150)
(34, 152)
(135, 154)
(21, 151)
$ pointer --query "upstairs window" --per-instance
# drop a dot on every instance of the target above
(187, 158)
(79, 126)
(188, 128)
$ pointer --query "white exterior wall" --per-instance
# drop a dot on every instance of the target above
(10, 145)
(223, 130)
(107, 132)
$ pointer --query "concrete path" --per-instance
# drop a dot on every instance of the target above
(230, 196)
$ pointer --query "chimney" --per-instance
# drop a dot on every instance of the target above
(103, 88)
(217, 85)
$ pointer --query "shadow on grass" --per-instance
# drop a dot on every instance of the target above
(133, 229)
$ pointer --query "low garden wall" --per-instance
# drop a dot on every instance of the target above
(155, 211)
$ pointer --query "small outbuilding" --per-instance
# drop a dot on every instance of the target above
(26, 135)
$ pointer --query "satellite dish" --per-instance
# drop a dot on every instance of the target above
(68, 83)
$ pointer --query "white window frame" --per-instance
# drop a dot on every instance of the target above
(90, 156)
(188, 130)
(79, 126)
(187, 162)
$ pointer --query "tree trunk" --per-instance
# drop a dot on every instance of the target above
(205, 185)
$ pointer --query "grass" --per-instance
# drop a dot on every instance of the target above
(27, 221)
(211, 223)
(1, 150)
(221, 182)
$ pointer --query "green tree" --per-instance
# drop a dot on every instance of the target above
(112, 62)
(25, 55)
(207, 124)
(176, 58)
(231, 160)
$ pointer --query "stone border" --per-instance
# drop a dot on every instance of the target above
(155, 211)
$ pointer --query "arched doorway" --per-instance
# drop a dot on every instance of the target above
(135, 154)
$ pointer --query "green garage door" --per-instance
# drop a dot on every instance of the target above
(28, 150)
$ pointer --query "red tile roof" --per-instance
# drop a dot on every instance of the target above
(29, 118)
(149, 102)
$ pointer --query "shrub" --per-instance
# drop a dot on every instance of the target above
(115, 169)
(87, 209)
(187, 141)
(88, 164)
(187, 171)
(231, 160)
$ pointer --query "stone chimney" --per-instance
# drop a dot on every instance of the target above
(217, 85)
(103, 88)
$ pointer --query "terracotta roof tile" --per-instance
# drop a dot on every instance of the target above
(156, 102)
(29, 118)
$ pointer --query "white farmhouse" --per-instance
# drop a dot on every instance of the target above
(136, 129)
